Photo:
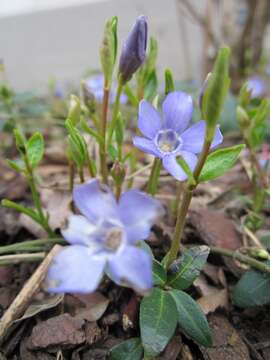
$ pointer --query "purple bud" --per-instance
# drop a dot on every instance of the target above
(134, 49)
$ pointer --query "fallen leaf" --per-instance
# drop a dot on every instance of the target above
(216, 300)
(57, 205)
(215, 229)
(41, 305)
(62, 331)
(227, 342)
(172, 349)
(93, 333)
(88, 307)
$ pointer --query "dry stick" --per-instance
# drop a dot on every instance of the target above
(22, 300)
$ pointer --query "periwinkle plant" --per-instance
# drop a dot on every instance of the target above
(106, 233)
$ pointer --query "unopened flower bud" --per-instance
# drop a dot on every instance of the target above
(133, 51)
(259, 253)
(203, 88)
(118, 172)
(242, 117)
(74, 111)
(88, 98)
(108, 49)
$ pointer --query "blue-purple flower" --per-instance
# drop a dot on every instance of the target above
(257, 86)
(103, 239)
(134, 50)
(169, 137)
(94, 84)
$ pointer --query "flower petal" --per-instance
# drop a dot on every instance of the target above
(74, 270)
(138, 212)
(193, 137)
(171, 165)
(177, 111)
(149, 121)
(95, 201)
(146, 145)
(132, 266)
(78, 230)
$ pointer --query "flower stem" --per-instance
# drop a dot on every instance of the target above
(115, 112)
(102, 146)
(184, 206)
(154, 176)
(30, 245)
(258, 265)
(18, 258)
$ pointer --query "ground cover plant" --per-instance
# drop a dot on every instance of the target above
(129, 266)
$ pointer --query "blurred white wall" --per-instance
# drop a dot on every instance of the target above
(60, 38)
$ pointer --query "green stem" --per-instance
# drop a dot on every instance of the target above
(71, 174)
(258, 265)
(184, 206)
(81, 174)
(29, 245)
(102, 146)
(18, 258)
(154, 176)
(115, 112)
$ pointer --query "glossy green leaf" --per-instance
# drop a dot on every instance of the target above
(253, 289)
(130, 349)
(159, 273)
(191, 319)
(188, 267)
(219, 162)
(112, 152)
(35, 149)
(158, 319)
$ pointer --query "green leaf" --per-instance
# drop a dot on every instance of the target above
(151, 85)
(159, 273)
(188, 267)
(219, 162)
(20, 140)
(253, 289)
(169, 82)
(112, 152)
(258, 124)
(35, 149)
(18, 207)
(15, 166)
(158, 319)
(130, 349)
(191, 319)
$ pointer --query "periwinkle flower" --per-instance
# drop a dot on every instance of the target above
(257, 86)
(103, 239)
(169, 137)
(94, 85)
(134, 50)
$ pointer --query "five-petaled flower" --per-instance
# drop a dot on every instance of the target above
(169, 137)
(103, 239)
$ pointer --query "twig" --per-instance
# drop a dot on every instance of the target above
(24, 297)
(258, 265)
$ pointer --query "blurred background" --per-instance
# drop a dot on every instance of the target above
(59, 39)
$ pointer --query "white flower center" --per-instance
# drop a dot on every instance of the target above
(114, 238)
(168, 141)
